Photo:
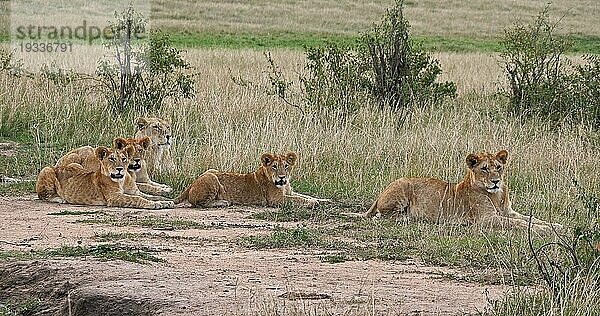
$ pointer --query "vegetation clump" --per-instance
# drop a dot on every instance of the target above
(543, 82)
(384, 70)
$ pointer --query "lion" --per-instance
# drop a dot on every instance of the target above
(158, 156)
(267, 186)
(136, 180)
(482, 197)
(104, 186)
(137, 168)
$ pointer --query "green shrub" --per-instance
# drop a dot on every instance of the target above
(402, 75)
(143, 76)
(541, 84)
(335, 78)
(384, 69)
(587, 83)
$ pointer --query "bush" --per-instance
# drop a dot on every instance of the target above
(587, 87)
(541, 84)
(142, 77)
(402, 75)
(384, 70)
(335, 79)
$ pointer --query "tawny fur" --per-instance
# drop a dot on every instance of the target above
(158, 156)
(136, 181)
(267, 186)
(480, 198)
(138, 169)
(74, 184)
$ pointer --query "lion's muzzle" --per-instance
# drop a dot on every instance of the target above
(118, 174)
(495, 187)
(282, 181)
(135, 166)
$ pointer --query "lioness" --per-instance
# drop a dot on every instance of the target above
(137, 168)
(158, 155)
(480, 198)
(269, 185)
(76, 185)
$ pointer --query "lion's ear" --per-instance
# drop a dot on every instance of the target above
(141, 123)
(145, 142)
(472, 160)
(129, 151)
(502, 156)
(119, 143)
(267, 159)
(102, 152)
(291, 158)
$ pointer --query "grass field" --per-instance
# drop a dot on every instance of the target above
(228, 127)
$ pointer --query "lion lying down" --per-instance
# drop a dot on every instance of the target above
(104, 185)
(480, 198)
(269, 185)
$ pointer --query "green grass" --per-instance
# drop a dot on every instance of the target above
(31, 306)
(323, 213)
(505, 253)
(101, 251)
(111, 236)
(106, 252)
(17, 188)
(70, 212)
(257, 40)
(583, 44)
(153, 222)
(12, 255)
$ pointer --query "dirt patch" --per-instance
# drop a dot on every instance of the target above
(206, 272)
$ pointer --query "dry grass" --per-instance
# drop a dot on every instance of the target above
(428, 17)
(228, 127)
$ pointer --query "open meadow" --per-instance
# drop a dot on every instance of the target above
(289, 260)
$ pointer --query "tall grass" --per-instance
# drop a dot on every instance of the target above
(228, 127)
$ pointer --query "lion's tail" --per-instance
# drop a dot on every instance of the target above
(183, 196)
(372, 211)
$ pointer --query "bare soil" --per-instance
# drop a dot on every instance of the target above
(207, 273)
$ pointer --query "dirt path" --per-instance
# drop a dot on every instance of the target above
(206, 272)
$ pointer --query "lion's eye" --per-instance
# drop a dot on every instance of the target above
(499, 168)
(112, 159)
(274, 167)
(286, 167)
(124, 159)
(484, 169)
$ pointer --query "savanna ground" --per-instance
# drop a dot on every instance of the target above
(255, 261)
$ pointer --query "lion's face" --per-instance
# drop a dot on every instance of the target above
(139, 146)
(114, 162)
(488, 169)
(158, 130)
(278, 167)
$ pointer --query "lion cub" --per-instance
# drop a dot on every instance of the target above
(104, 186)
(480, 198)
(137, 168)
(136, 180)
(269, 185)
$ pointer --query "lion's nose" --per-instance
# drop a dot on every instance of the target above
(495, 181)
(119, 169)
